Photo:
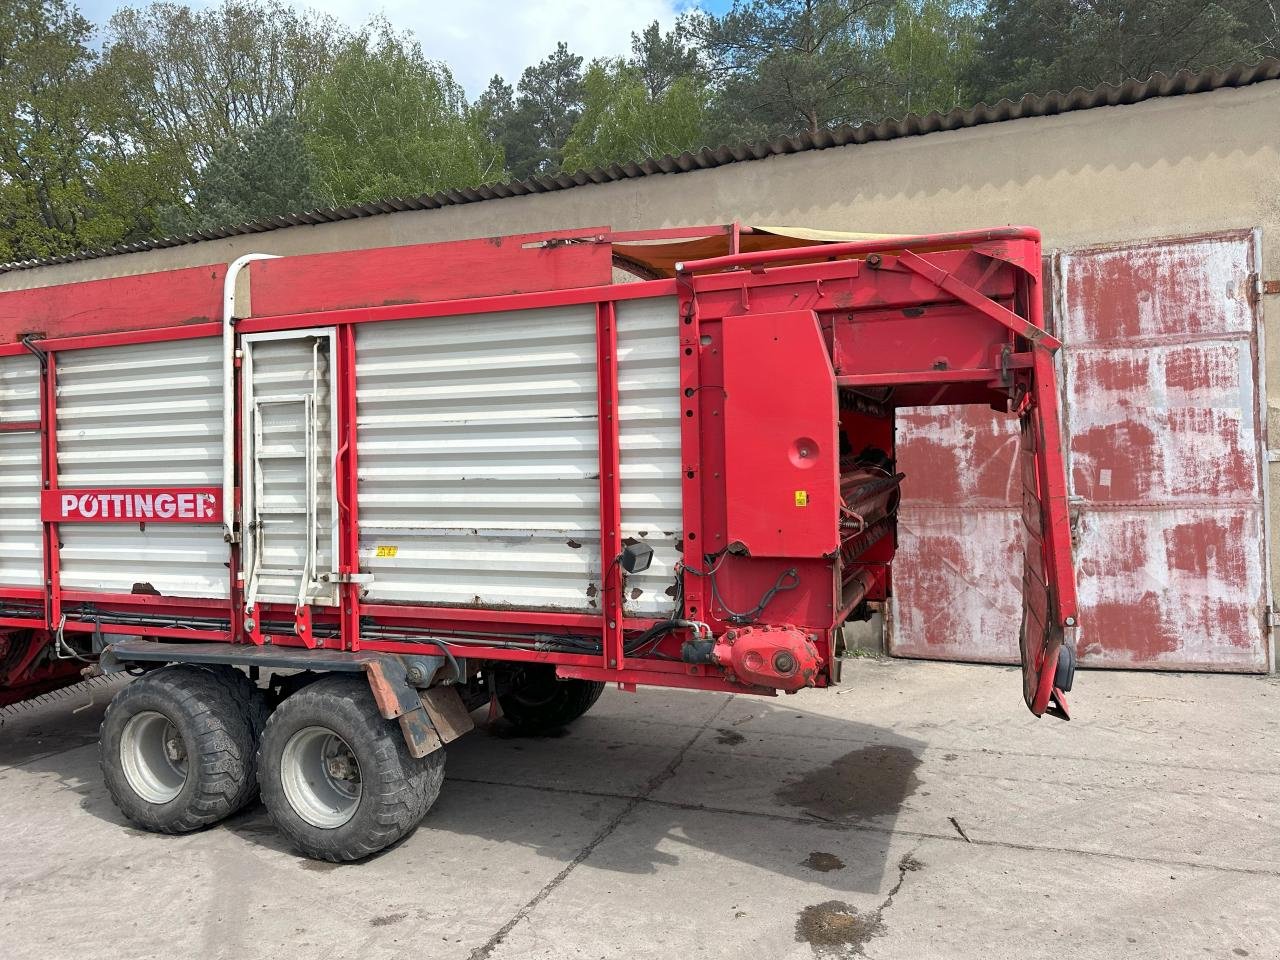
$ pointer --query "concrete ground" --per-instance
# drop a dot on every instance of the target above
(918, 811)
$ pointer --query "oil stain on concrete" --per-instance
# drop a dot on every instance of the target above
(835, 929)
(866, 783)
(822, 862)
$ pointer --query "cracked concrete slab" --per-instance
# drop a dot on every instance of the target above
(916, 812)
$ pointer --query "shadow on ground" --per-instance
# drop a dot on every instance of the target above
(656, 775)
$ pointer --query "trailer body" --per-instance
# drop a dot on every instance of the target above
(446, 449)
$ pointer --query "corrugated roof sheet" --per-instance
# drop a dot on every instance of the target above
(912, 125)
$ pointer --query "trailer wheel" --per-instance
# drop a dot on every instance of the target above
(337, 778)
(539, 701)
(179, 747)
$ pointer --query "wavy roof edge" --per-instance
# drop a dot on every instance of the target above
(1031, 105)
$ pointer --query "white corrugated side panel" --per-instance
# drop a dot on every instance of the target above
(21, 535)
(283, 368)
(478, 459)
(142, 415)
(649, 440)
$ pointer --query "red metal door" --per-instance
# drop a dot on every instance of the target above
(1164, 446)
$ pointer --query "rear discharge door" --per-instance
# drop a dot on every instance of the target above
(1047, 637)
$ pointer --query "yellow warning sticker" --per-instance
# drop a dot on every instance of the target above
(802, 498)
(385, 551)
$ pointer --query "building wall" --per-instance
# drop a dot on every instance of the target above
(1176, 166)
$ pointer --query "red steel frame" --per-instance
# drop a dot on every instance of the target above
(825, 278)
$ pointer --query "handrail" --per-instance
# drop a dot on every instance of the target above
(228, 389)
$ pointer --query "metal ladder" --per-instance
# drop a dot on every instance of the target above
(263, 519)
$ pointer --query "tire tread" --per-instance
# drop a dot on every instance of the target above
(403, 786)
(228, 713)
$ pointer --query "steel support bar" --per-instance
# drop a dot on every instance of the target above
(968, 295)
(981, 375)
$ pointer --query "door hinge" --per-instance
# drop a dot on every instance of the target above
(1259, 288)
(1269, 617)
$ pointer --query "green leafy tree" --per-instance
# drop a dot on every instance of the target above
(268, 172)
(927, 48)
(494, 110)
(788, 65)
(195, 80)
(621, 122)
(653, 104)
(533, 122)
(387, 122)
(64, 184)
(1040, 45)
(664, 58)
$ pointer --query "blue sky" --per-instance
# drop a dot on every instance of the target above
(479, 38)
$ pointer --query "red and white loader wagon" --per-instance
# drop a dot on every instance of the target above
(325, 506)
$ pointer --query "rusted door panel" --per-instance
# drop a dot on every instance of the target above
(1164, 454)
(1171, 588)
(957, 583)
(958, 572)
(1163, 446)
(1163, 424)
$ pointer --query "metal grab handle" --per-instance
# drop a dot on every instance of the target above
(337, 487)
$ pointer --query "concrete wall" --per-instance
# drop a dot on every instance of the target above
(1167, 167)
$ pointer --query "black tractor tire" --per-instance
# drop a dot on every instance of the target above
(539, 701)
(387, 791)
(179, 747)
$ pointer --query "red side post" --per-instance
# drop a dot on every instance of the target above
(347, 482)
(49, 480)
(696, 588)
(610, 484)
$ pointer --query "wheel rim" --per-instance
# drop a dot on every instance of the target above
(154, 757)
(538, 691)
(321, 777)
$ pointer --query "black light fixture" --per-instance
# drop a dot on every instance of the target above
(636, 557)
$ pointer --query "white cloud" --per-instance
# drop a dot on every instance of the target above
(479, 38)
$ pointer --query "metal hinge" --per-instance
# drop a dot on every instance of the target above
(1269, 617)
(347, 577)
(1259, 288)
